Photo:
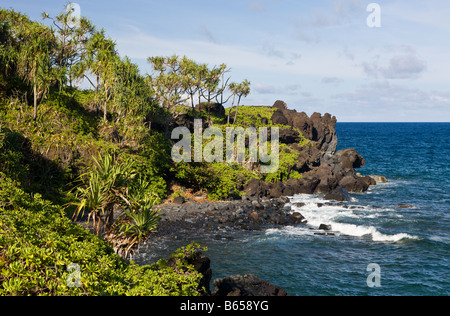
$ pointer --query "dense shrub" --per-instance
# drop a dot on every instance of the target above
(39, 245)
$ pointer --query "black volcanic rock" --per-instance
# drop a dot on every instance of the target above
(246, 285)
(338, 194)
(213, 108)
(278, 118)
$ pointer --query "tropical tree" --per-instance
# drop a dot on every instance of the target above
(211, 82)
(111, 183)
(233, 89)
(98, 194)
(72, 37)
(224, 85)
(8, 49)
(132, 100)
(167, 84)
(167, 80)
(27, 51)
(34, 59)
(192, 76)
(100, 59)
(241, 90)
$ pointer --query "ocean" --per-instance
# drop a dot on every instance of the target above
(376, 247)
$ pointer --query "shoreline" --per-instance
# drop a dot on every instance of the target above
(222, 217)
(248, 213)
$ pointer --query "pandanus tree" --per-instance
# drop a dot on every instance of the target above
(241, 90)
(34, 59)
(72, 34)
(210, 86)
(167, 84)
(238, 90)
(192, 77)
(100, 59)
(110, 184)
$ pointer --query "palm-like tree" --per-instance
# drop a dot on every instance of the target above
(241, 90)
(109, 184)
(100, 189)
(33, 58)
(100, 58)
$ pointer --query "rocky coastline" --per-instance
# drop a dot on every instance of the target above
(324, 171)
(220, 219)
(266, 205)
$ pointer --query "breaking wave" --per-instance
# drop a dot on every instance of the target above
(345, 219)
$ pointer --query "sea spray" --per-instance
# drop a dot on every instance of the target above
(340, 216)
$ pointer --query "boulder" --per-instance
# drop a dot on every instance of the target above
(254, 216)
(256, 187)
(289, 136)
(326, 185)
(368, 180)
(308, 185)
(291, 187)
(183, 119)
(213, 108)
(352, 183)
(405, 206)
(325, 227)
(338, 194)
(245, 285)
(281, 105)
(349, 159)
(179, 200)
(297, 218)
(379, 179)
(279, 118)
(276, 190)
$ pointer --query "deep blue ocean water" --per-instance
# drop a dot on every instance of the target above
(411, 247)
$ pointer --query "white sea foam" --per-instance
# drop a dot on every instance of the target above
(318, 211)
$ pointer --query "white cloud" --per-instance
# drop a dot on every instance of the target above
(139, 45)
(406, 66)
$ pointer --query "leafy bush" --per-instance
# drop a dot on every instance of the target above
(228, 180)
(288, 160)
(39, 247)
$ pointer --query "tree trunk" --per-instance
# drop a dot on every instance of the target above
(229, 112)
(193, 107)
(35, 101)
(104, 111)
(237, 108)
(105, 106)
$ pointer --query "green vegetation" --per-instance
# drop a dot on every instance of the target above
(104, 153)
(38, 245)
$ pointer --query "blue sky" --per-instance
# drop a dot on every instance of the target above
(317, 56)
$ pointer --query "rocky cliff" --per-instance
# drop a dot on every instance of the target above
(323, 169)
